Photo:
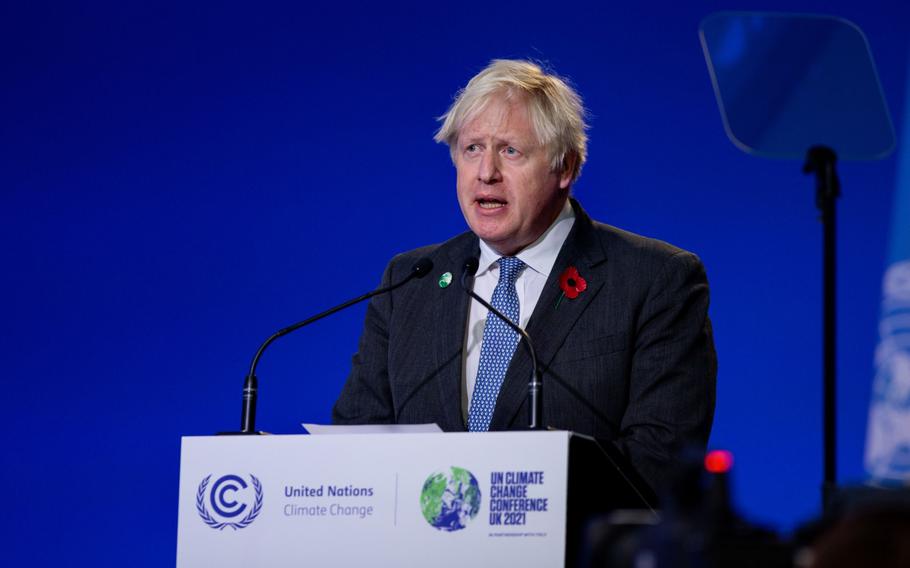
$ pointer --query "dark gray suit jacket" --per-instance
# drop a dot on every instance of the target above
(630, 360)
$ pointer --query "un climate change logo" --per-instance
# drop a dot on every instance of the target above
(222, 497)
(450, 501)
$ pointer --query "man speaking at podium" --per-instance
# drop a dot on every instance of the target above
(619, 321)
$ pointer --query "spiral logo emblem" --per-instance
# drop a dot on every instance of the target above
(229, 497)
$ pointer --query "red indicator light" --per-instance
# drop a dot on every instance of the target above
(718, 461)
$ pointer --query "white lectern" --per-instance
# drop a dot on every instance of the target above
(458, 499)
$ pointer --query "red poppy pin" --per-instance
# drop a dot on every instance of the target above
(572, 284)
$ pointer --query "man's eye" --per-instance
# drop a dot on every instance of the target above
(471, 148)
(511, 151)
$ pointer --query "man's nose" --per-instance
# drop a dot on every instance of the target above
(489, 168)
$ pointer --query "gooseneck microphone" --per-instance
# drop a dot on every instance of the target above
(250, 386)
(535, 400)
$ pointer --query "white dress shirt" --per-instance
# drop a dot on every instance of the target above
(539, 258)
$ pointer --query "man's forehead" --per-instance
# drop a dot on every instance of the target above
(500, 117)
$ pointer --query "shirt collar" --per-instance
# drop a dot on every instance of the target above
(539, 256)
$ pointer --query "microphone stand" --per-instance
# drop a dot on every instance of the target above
(535, 385)
(250, 386)
(821, 161)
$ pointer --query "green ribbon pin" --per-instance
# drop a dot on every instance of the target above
(445, 279)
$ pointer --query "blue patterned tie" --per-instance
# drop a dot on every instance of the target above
(499, 342)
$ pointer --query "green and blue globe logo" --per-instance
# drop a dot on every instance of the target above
(450, 500)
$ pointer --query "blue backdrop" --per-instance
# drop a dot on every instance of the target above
(179, 180)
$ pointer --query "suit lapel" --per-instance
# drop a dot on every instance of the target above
(549, 326)
(450, 316)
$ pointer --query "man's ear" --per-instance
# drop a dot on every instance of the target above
(568, 170)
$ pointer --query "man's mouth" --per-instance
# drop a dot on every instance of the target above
(490, 203)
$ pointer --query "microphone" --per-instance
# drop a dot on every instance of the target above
(250, 386)
(535, 400)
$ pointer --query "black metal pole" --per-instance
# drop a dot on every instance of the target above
(248, 412)
(535, 400)
(822, 162)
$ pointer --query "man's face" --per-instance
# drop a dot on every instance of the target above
(506, 190)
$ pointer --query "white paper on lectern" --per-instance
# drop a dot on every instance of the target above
(323, 429)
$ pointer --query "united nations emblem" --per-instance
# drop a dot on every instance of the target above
(229, 498)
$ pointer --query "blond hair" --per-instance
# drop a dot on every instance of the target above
(556, 111)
